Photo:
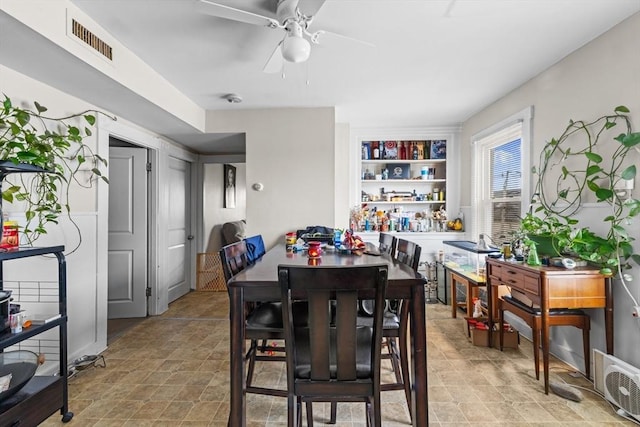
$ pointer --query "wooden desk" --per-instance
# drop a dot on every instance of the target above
(471, 281)
(260, 283)
(552, 287)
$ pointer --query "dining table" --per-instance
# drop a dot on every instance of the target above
(259, 282)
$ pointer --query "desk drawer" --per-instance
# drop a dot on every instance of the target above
(512, 277)
(495, 271)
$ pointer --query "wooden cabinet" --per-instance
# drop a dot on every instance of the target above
(43, 395)
(550, 288)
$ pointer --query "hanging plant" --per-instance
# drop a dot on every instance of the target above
(581, 165)
(52, 150)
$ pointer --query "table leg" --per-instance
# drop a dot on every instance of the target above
(237, 408)
(419, 397)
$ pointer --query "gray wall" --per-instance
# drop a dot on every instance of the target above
(291, 152)
(585, 85)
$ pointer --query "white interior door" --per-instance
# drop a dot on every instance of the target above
(128, 246)
(179, 232)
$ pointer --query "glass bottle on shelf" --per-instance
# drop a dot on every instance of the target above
(414, 152)
(376, 150)
(402, 153)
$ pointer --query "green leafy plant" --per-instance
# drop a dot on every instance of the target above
(54, 150)
(579, 166)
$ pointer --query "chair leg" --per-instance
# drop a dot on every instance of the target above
(377, 412)
(586, 328)
(501, 326)
(334, 413)
(404, 351)
(535, 333)
(309, 414)
(293, 410)
(393, 352)
(251, 358)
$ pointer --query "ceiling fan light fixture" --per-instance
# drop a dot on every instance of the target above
(296, 49)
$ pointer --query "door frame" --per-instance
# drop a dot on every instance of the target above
(159, 149)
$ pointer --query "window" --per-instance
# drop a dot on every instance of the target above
(501, 177)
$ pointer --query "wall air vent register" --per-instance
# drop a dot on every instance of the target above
(96, 43)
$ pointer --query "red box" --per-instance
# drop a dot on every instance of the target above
(10, 238)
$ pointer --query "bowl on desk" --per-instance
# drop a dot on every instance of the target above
(21, 365)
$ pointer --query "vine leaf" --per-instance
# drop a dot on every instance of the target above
(603, 194)
(593, 169)
(629, 173)
(596, 158)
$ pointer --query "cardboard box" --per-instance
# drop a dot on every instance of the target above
(480, 337)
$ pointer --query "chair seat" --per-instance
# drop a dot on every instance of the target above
(267, 317)
(536, 311)
(363, 352)
(390, 321)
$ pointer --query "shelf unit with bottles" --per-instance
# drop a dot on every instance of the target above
(404, 178)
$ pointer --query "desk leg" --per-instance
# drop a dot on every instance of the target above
(419, 397)
(608, 314)
(237, 408)
(490, 305)
(454, 295)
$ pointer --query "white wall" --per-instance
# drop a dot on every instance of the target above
(291, 152)
(585, 85)
(87, 267)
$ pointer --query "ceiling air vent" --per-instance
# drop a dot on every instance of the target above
(91, 39)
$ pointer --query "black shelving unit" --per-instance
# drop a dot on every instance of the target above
(43, 395)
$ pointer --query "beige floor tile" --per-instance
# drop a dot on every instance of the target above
(173, 370)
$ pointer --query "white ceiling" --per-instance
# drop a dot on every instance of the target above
(435, 62)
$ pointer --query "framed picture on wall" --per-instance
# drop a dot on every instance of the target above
(229, 186)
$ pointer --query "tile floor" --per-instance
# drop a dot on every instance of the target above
(172, 370)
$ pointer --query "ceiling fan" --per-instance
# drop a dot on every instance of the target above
(296, 44)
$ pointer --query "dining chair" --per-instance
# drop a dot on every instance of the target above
(407, 253)
(263, 321)
(387, 244)
(329, 357)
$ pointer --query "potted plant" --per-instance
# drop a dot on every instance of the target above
(577, 167)
(53, 153)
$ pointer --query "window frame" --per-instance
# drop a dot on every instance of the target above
(480, 149)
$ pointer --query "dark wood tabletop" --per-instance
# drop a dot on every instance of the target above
(260, 283)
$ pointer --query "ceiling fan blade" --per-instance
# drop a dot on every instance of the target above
(310, 7)
(327, 37)
(227, 12)
(275, 62)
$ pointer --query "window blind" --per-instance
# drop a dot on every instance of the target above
(499, 182)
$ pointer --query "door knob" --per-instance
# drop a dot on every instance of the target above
(190, 237)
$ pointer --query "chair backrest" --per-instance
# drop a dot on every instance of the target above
(255, 248)
(331, 355)
(234, 259)
(387, 244)
(408, 253)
